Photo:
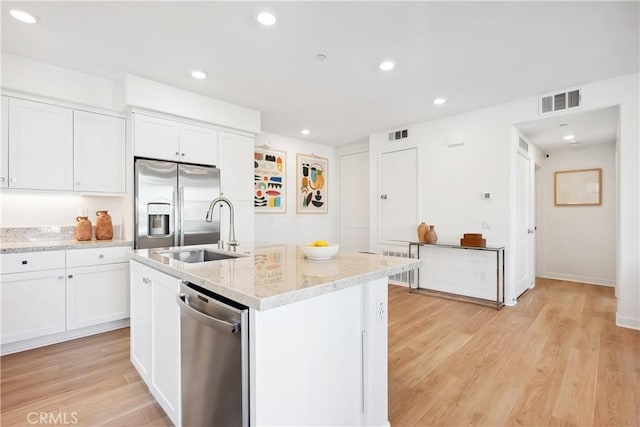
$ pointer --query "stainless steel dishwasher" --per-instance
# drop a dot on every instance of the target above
(214, 359)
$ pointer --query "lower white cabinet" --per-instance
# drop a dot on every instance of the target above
(155, 335)
(33, 304)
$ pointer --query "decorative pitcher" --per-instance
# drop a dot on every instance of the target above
(104, 226)
(83, 228)
(423, 228)
(431, 236)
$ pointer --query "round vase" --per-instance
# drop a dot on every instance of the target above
(83, 228)
(431, 236)
(104, 226)
(423, 228)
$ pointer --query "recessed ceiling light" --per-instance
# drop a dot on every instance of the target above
(321, 57)
(197, 74)
(439, 101)
(387, 65)
(266, 18)
(569, 137)
(23, 16)
(305, 131)
(564, 124)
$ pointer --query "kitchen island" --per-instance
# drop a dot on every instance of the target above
(317, 330)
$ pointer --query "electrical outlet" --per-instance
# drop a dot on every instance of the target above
(380, 312)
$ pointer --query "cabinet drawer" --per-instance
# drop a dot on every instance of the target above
(97, 256)
(31, 261)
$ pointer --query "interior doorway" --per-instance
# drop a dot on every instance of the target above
(354, 201)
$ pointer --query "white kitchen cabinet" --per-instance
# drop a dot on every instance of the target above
(140, 286)
(164, 139)
(4, 145)
(33, 295)
(236, 166)
(99, 157)
(156, 138)
(155, 335)
(198, 145)
(97, 286)
(40, 146)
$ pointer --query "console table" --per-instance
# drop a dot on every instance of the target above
(500, 278)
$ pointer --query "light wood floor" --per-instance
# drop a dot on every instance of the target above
(557, 358)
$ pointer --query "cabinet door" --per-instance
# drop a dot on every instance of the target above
(140, 289)
(155, 138)
(198, 145)
(4, 147)
(236, 166)
(97, 294)
(40, 146)
(32, 304)
(166, 343)
(98, 153)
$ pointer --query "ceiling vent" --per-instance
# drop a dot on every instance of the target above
(399, 134)
(560, 101)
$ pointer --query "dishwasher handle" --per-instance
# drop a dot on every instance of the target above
(223, 325)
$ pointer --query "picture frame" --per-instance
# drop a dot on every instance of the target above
(312, 173)
(581, 187)
(269, 179)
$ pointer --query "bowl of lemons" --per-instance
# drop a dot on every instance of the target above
(319, 250)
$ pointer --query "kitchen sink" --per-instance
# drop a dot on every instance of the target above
(199, 255)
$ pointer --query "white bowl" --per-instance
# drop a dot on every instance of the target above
(319, 253)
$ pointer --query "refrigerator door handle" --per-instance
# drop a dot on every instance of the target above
(176, 218)
(181, 214)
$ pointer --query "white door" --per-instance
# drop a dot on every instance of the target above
(354, 202)
(525, 229)
(99, 156)
(40, 146)
(399, 194)
(236, 166)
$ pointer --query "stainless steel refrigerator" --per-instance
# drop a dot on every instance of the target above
(171, 203)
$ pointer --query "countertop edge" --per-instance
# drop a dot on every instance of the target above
(293, 296)
(62, 245)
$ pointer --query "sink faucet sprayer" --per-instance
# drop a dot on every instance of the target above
(232, 231)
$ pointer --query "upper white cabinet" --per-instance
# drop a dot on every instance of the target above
(4, 147)
(99, 153)
(163, 139)
(198, 144)
(40, 146)
(156, 138)
(236, 166)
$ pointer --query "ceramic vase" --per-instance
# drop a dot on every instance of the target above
(423, 228)
(83, 228)
(104, 226)
(431, 236)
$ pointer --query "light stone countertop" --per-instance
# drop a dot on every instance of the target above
(35, 246)
(276, 275)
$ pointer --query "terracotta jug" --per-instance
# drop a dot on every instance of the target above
(431, 236)
(83, 228)
(423, 228)
(104, 226)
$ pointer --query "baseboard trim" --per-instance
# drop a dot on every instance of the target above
(627, 322)
(29, 344)
(580, 279)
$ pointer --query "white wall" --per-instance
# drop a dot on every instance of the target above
(22, 209)
(452, 179)
(578, 243)
(290, 227)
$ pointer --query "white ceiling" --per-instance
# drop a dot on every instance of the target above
(589, 127)
(475, 54)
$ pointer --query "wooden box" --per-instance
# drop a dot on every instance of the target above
(476, 243)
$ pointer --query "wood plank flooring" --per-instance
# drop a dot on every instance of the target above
(557, 358)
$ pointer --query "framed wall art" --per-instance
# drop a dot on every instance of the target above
(578, 187)
(269, 179)
(311, 184)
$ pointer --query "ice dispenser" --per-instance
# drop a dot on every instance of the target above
(159, 217)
